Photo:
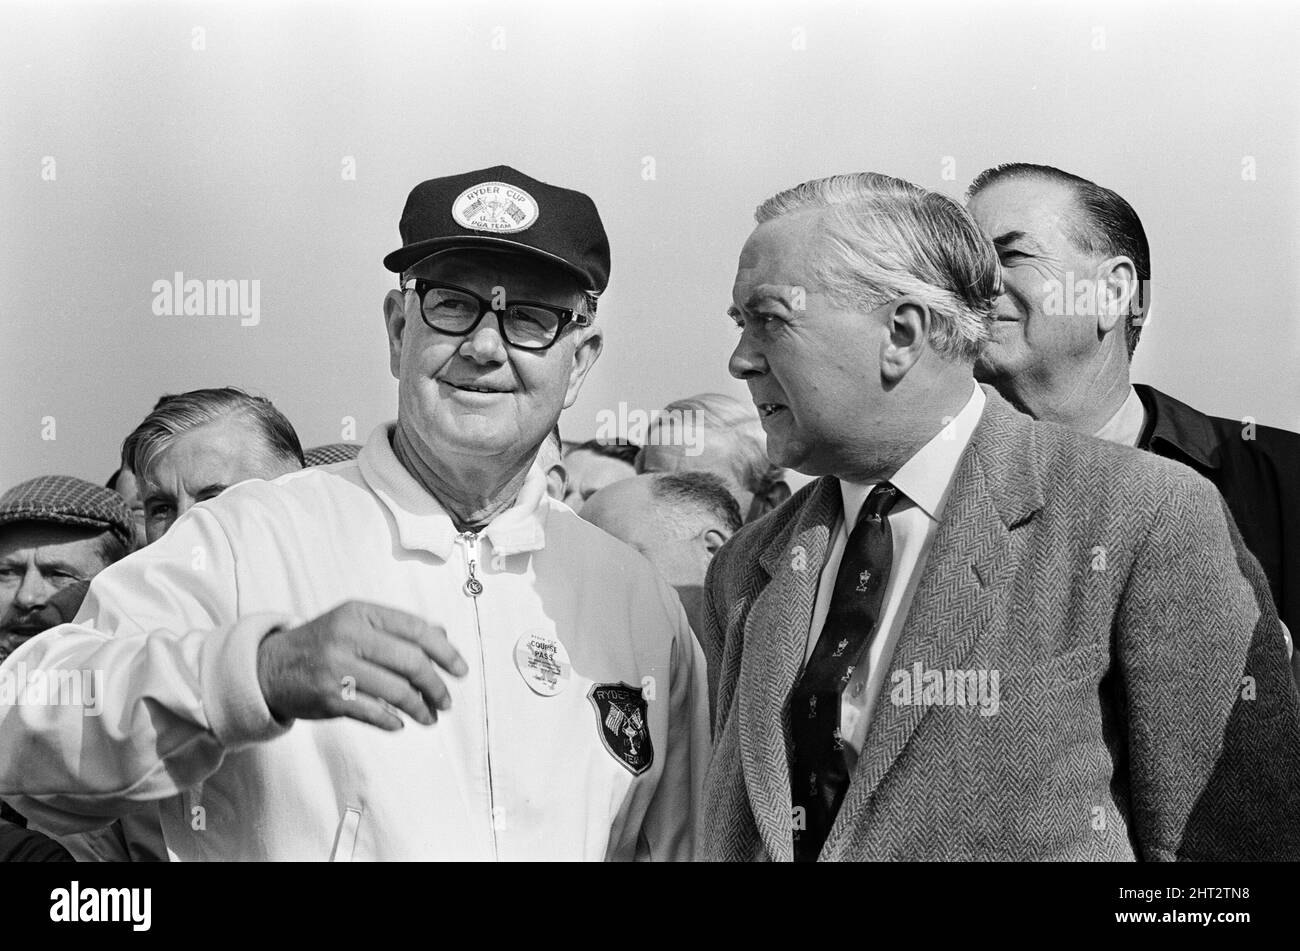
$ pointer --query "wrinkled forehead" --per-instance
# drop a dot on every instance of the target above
(777, 258)
(224, 451)
(522, 276)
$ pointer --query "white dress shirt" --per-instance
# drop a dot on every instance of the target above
(1126, 426)
(924, 481)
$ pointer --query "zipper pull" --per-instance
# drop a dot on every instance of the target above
(473, 587)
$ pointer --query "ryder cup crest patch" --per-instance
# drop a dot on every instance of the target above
(495, 207)
(622, 721)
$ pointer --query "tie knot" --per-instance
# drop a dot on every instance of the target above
(880, 501)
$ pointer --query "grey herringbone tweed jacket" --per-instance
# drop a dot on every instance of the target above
(1146, 710)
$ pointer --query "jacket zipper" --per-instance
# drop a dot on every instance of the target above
(473, 587)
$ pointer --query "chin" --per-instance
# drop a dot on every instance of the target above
(786, 454)
(989, 368)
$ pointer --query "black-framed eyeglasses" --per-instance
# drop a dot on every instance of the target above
(457, 311)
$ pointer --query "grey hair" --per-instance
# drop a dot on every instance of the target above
(175, 415)
(688, 501)
(883, 237)
(738, 421)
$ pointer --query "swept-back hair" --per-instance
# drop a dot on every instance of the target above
(177, 414)
(883, 238)
(1107, 226)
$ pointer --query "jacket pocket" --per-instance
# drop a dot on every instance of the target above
(345, 840)
(1063, 671)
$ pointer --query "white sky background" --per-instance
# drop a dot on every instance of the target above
(226, 163)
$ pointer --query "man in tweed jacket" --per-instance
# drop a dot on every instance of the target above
(1143, 706)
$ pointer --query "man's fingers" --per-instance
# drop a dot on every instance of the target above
(407, 663)
(372, 680)
(430, 638)
(369, 710)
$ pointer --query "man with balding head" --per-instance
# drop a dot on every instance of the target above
(677, 520)
(716, 433)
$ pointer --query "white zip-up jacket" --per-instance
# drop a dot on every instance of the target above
(606, 768)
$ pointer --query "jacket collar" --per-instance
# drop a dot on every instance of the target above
(997, 487)
(424, 525)
(1176, 424)
(1003, 438)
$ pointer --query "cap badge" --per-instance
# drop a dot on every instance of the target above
(495, 207)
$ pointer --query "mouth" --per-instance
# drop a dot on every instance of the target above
(768, 410)
(24, 631)
(474, 387)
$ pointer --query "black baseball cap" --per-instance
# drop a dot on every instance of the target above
(501, 208)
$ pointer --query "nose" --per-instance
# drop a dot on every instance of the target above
(746, 360)
(34, 591)
(485, 344)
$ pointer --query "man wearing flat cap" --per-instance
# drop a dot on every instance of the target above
(56, 533)
(417, 654)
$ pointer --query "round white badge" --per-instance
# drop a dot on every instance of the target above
(495, 207)
(543, 663)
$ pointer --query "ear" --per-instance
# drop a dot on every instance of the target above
(908, 323)
(584, 358)
(1117, 288)
(395, 323)
(714, 539)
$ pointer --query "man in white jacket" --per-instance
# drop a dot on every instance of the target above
(414, 655)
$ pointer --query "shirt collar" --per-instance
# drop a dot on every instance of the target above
(1126, 426)
(423, 524)
(1178, 425)
(927, 475)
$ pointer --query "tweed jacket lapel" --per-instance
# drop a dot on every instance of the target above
(996, 487)
(775, 640)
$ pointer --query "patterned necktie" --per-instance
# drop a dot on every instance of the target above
(819, 774)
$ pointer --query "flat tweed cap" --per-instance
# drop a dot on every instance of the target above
(65, 500)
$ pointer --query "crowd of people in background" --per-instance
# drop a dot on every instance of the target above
(675, 505)
(878, 397)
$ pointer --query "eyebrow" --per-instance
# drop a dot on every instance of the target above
(57, 565)
(774, 293)
(1011, 237)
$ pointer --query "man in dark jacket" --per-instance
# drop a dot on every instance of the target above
(1076, 271)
